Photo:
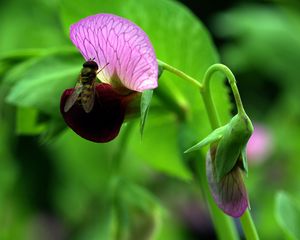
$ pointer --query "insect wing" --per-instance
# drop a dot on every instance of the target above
(72, 99)
(89, 103)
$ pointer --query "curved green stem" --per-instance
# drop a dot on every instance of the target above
(179, 73)
(246, 220)
(209, 104)
(231, 79)
(224, 226)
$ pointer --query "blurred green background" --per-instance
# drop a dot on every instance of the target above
(55, 185)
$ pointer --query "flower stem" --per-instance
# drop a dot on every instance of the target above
(248, 226)
(179, 73)
(231, 79)
(223, 224)
(120, 152)
(246, 220)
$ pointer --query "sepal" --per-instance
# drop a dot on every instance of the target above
(144, 107)
(215, 136)
(230, 147)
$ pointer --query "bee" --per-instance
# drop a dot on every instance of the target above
(84, 91)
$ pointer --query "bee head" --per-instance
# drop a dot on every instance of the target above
(91, 64)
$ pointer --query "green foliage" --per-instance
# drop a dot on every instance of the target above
(43, 83)
(38, 65)
(165, 155)
(37, 31)
(260, 49)
(27, 122)
(287, 212)
(144, 216)
(256, 50)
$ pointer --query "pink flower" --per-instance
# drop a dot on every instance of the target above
(128, 65)
(259, 145)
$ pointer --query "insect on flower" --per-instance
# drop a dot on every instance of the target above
(84, 91)
(96, 110)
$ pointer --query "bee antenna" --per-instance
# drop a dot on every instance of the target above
(102, 67)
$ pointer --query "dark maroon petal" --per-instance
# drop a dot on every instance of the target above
(230, 193)
(103, 123)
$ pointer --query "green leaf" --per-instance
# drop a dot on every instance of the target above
(103, 227)
(140, 196)
(144, 211)
(260, 23)
(175, 102)
(54, 127)
(17, 71)
(145, 104)
(10, 62)
(41, 29)
(27, 122)
(14, 63)
(22, 54)
(83, 183)
(43, 83)
(287, 213)
(159, 147)
(213, 137)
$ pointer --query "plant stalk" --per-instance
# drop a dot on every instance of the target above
(246, 220)
(224, 226)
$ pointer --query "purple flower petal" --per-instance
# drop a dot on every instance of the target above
(125, 46)
(103, 123)
(230, 193)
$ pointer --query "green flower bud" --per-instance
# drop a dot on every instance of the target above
(232, 145)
